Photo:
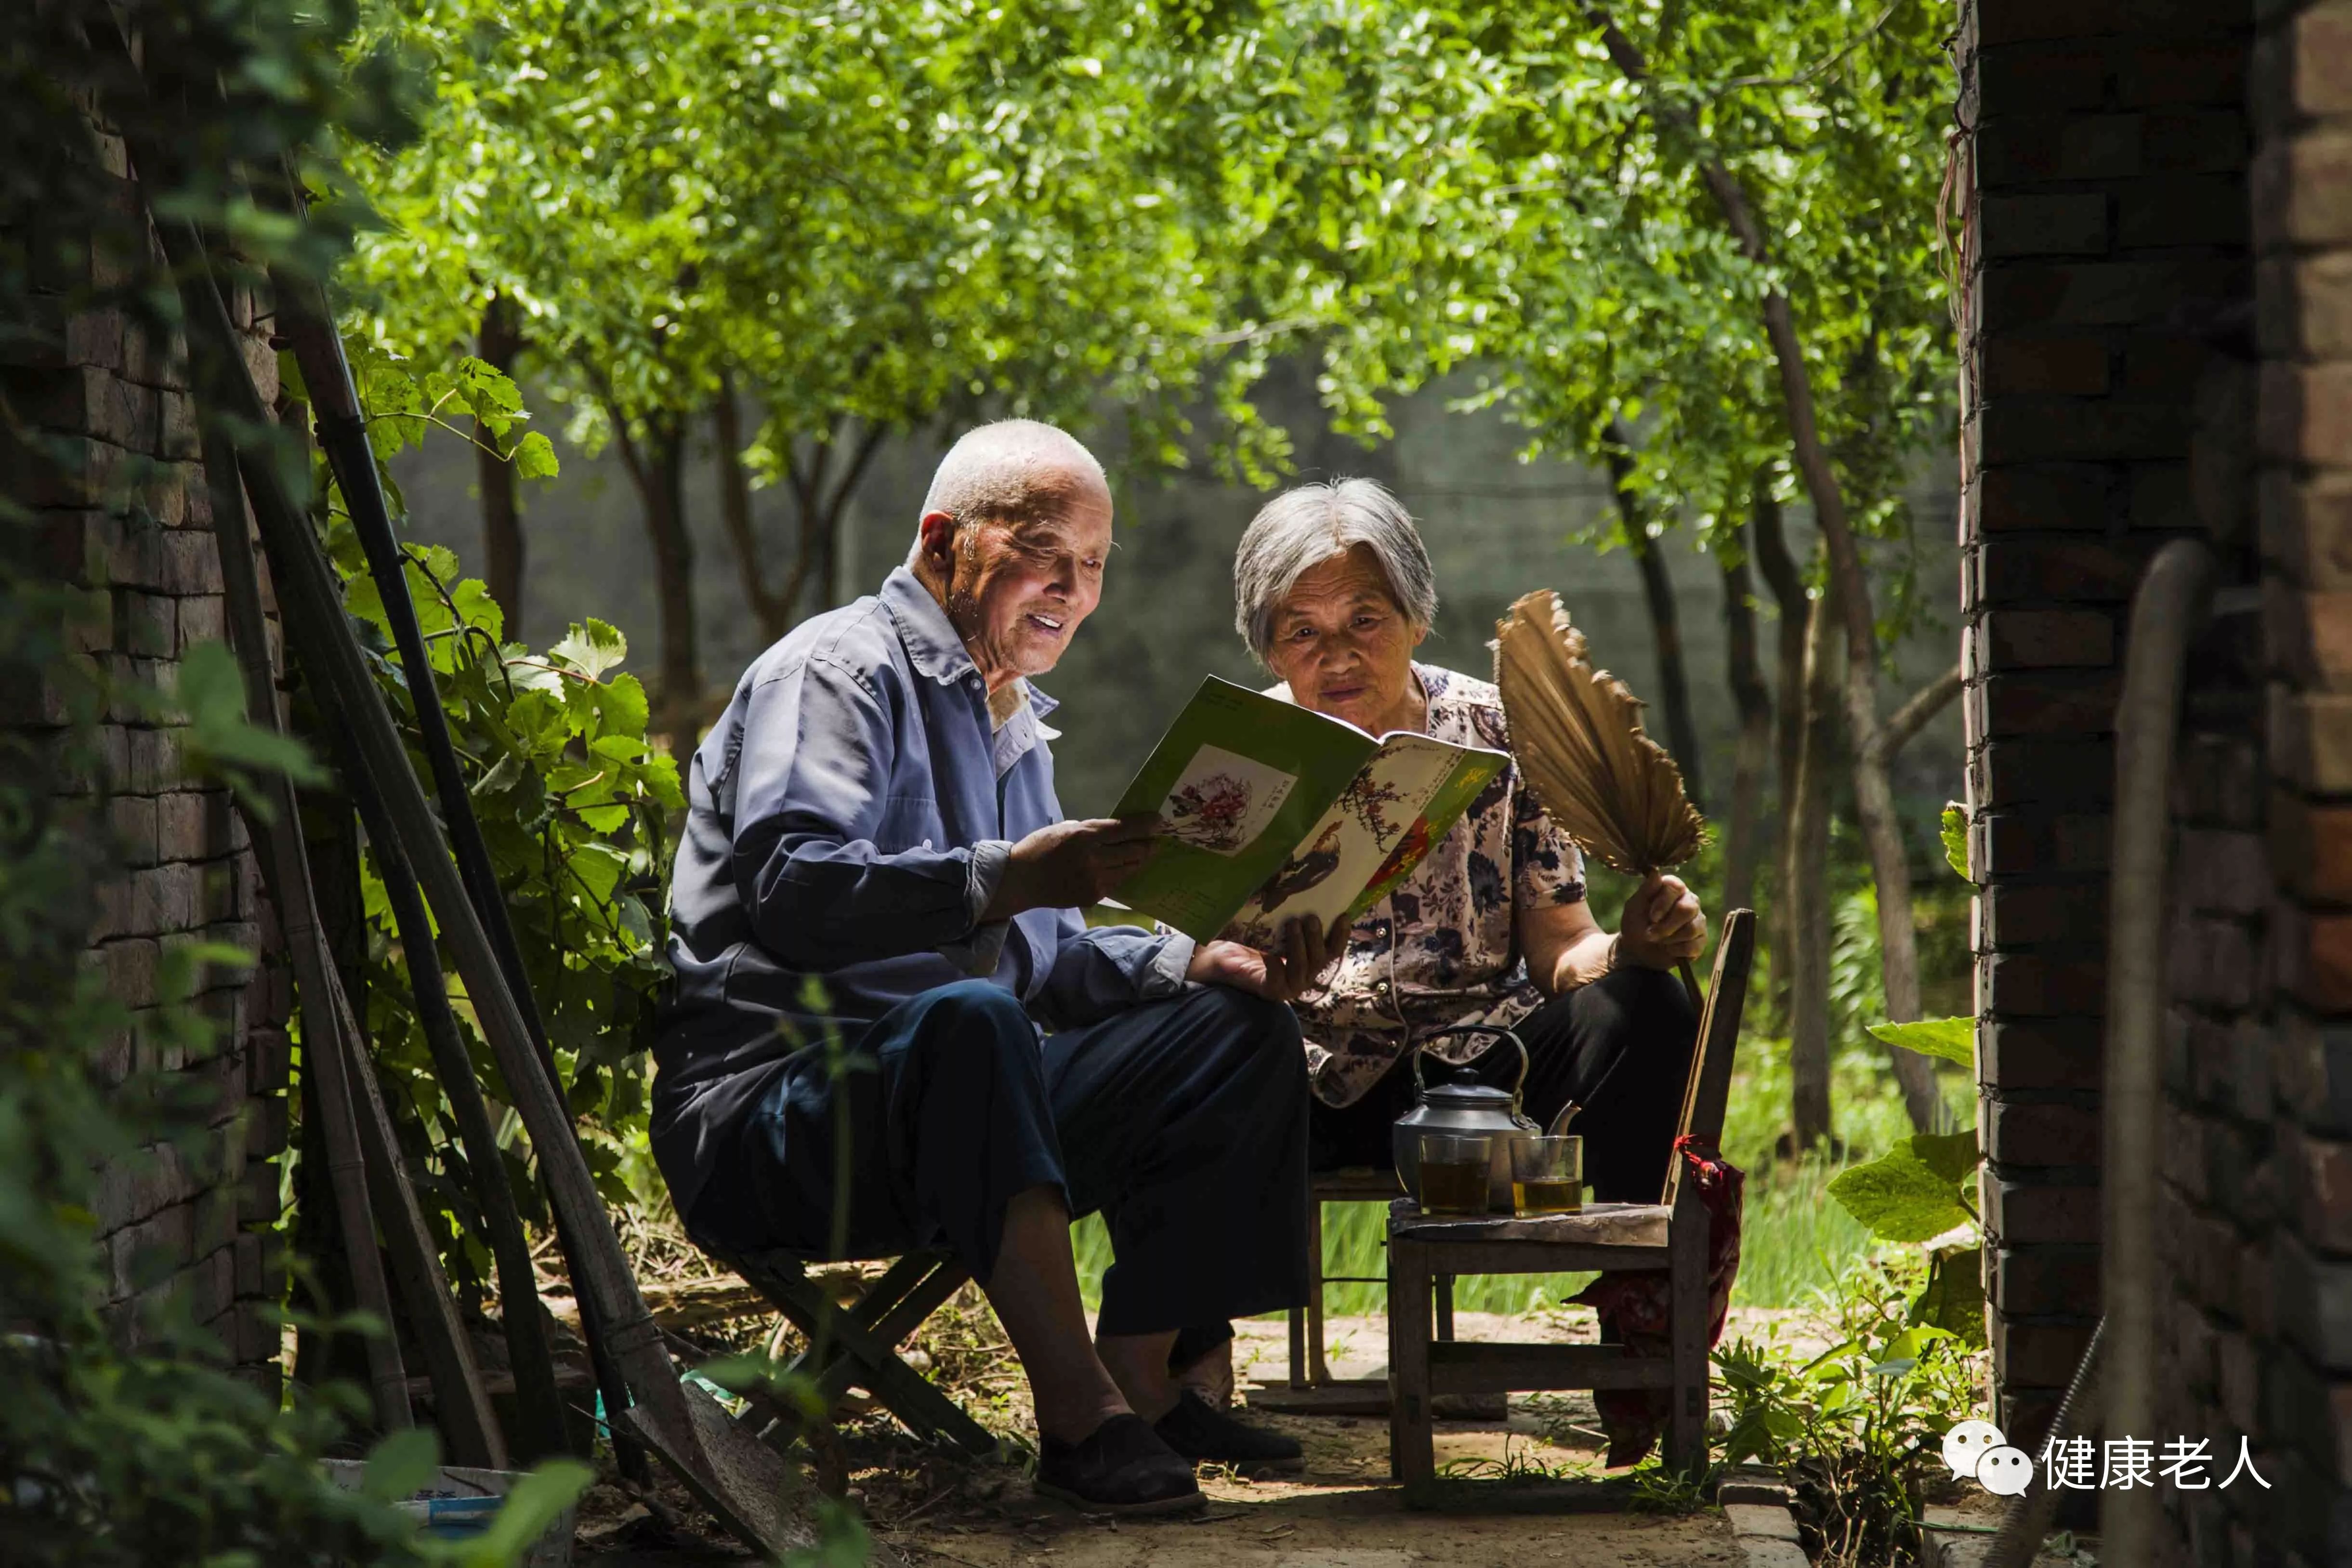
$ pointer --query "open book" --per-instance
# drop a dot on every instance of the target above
(1275, 811)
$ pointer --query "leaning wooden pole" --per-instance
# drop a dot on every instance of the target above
(278, 843)
(304, 322)
(729, 1470)
(332, 1049)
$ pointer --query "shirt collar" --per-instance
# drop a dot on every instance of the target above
(923, 626)
(932, 644)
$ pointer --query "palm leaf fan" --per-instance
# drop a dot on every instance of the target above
(1575, 734)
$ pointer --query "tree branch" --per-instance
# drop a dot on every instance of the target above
(1912, 717)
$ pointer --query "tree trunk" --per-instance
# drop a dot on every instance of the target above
(1751, 759)
(1788, 585)
(502, 542)
(1805, 884)
(1665, 622)
(656, 463)
(1873, 797)
(774, 614)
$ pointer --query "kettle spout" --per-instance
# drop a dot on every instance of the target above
(1560, 1122)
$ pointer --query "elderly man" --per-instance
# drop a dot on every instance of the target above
(874, 854)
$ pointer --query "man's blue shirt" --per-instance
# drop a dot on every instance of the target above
(847, 822)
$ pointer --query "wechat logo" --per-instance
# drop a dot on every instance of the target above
(1978, 1450)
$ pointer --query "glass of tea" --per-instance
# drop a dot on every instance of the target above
(1453, 1172)
(1546, 1175)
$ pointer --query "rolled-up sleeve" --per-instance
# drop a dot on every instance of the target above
(1096, 972)
(812, 781)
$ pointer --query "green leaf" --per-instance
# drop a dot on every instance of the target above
(211, 693)
(1899, 1196)
(591, 648)
(1954, 1298)
(1951, 1155)
(1953, 1039)
(1956, 837)
(403, 1463)
(534, 457)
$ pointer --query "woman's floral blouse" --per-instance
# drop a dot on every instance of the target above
(1442, 947)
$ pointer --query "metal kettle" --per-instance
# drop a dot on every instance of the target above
(1469, 1110)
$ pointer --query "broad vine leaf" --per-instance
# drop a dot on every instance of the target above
(1956, 837)
(1900, 1196)
(1951, 1155)
(534, 457)
(1953, 1039)
(591, 647)
(1954, 1298)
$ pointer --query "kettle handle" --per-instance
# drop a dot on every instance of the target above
(1421, 1088)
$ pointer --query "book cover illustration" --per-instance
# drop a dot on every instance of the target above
(1273, 811)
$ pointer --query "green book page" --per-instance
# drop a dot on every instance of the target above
(1407, 797)
(1239, 778)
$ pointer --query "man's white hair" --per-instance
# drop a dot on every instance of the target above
(1003, 471)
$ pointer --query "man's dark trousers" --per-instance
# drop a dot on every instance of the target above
(1183, 1120)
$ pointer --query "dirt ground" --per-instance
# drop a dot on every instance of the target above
(1526, 1489)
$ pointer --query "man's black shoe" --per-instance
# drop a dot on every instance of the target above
(1205, 1434)
(1121, 1468)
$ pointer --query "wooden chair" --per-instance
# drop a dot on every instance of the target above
(861, 1342)
(1669, 1236)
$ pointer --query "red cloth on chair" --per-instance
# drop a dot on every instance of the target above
(1638, 1303)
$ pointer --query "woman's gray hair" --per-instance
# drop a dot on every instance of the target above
(1305, 526)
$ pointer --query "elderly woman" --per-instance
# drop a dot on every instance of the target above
(1333, 592)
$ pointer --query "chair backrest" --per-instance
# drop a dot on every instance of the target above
(1708, 1091)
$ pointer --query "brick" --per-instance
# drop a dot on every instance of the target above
(2045, 1279)
(2072, 772)
(2098, 293)
(2059, 366)
(2202, 142)
(146, 625)
(2221, 872)
(2015, 21)
(2020, 639)
(2318, 1172)
(130, 970)
(2308, 527)
(143, 1255)
(163, 899)
(2029, 1053)
(2310, 738)
(2300, 190)
(2024, 915)
(2209, 72)
(2312, 1065)
(190, 563)
(2039, 78)
(152, 761)
(2049, 703)
(2071, 224)
(2210, 962)
(2027, 149)
(2302, 67)
(2037, 1356)
(2310, 848)
(2315, 1302)
(2043, 1134)
(2075, 572)
(2196, 209)
(132, 820)
(2046, 496)
(2162, 497)
(2305, 305)
(2018, 842)
(2044, 429)
(2021, 1214)
(184, 826)
(2315, 957)
(2032, 986)
(2305, 412)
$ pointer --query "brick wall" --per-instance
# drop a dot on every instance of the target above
(2106, 191)
(2258, 1197)
(126, 515)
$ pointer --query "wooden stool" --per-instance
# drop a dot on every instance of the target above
(1670, 1235)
